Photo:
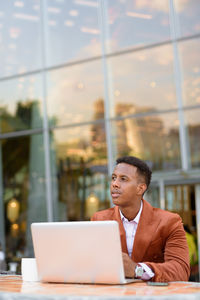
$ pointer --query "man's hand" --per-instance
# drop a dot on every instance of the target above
(129, 266)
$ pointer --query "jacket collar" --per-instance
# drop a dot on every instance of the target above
(143, 236)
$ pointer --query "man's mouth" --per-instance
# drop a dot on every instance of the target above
(115, 194)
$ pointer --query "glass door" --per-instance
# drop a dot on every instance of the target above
(181, 199)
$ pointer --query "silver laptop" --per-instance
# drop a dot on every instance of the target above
(79, 252)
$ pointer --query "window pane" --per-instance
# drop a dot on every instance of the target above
(170, 198)
(21, 104)
(20, 37)
(142, 81)
(188, 14)
(75, 94)
(154, 138)
(81, 165)
(136, 23)
(24, 193)
(189, 52)
(152, 195)
(193, 126)
(72, 31)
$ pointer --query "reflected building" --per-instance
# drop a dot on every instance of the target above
(95, 87)
(98, 136)
(134, 133)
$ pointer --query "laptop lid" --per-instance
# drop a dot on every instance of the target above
(78, 252)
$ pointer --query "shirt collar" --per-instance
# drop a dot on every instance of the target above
(136, 219)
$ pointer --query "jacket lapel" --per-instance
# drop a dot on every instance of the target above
(147, 225)
(117, 217)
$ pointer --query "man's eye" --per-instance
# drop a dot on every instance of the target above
(123, 178)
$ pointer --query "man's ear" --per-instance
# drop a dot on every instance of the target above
(141, 188)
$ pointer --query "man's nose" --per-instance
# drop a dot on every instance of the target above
(115, 182)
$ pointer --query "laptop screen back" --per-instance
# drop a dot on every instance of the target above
(80, 252)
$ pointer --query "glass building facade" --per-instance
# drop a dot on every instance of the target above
(83, 82)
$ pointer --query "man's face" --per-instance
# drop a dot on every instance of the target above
(126, 187)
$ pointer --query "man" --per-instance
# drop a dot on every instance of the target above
(153, 240)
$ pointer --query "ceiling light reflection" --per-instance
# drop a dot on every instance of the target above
(153, 84)
(86, 3)
(176, 122)
(52, 23)
(117, 93)
(69, 23)
(14, 32)
(12, 46)
(138, 15)
(73, 13)
(142, 57)
(20, 86)
(32, 79)
(36, 7)
(19, 4)
(54, 10)
(80, 85)
(26, 17)
(89, 30)
(196, 70)
(22, 70)
(198, 100)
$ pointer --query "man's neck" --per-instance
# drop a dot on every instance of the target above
(130, 212)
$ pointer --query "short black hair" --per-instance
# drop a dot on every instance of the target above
(142, 167)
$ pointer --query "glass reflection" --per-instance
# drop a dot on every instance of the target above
(72, 31)
(135, 23)
(21, 104)
(193, 128)
(142, 82)
(75, 94)
(153, 138)
(152, 195)
(189, 53)
(180, 199)
(24, 193)
(188, 14)
(81, 161)
(20, 35)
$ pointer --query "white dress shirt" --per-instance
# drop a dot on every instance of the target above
(130, 229)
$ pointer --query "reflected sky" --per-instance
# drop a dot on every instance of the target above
(190, 63)
(20, 36)
(143, 79)
(72, 29)
(71, 32)
(188, 12)
(154, 138)
(133, 23)
(138, 82)
(73, 93)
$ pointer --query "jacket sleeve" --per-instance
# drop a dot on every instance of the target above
(94, 217)
(176, 265)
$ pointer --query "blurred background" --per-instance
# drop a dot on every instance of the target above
(83, 82)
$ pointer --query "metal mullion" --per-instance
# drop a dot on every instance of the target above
(106, 87)
(49, 201)
(178, 81)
